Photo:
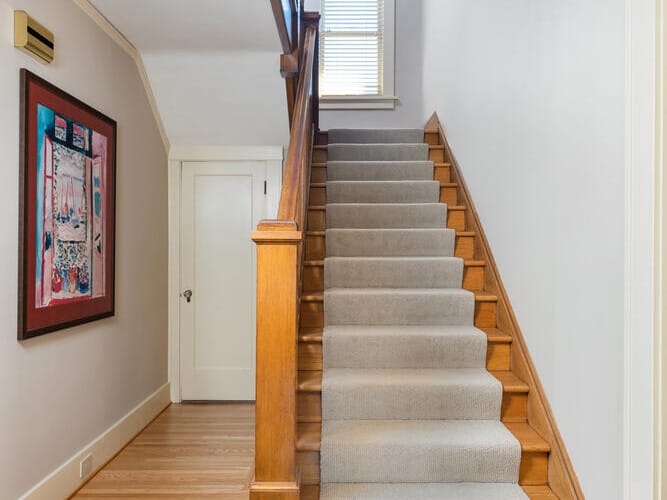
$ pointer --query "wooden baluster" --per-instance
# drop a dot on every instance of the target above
(277, 302)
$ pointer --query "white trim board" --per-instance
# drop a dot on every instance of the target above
(272, 156)
(641, 366)
(65, 480)
(106, 26)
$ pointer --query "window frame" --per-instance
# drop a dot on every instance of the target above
(387, 100)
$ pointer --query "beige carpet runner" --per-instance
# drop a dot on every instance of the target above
(409, 410)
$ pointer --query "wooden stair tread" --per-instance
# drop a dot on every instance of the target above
(539, 493)
(318, 164)
(317, 207)
(510, 382)
(316, 233)
(474, 263)
(530, 440)
(496, 336)
(320, 146)
(312, 297)
(318, 184)
(436, 146)
(448, 185)
(466, 262)
(480, 296)
(456, 208)
(466, 233)
(310, 335)
(445, 164)
(484, 296)
(309, 436)
(311, 381)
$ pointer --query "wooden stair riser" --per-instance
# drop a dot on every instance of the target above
(456, 218)
(319, 154)
(309, 402)
(315, 247)
(485, 314)
(309, 466)
(317, 218)
(473, 275)
(534, 469)
(318, 193)
(449, 193)
(310, 492)
(313, 276)
(498, 356)
(312, 313)
(465, 245)
(442, 172)
(318, 172)
(432, 137)
(436, 153)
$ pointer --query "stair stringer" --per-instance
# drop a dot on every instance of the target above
(562, 478)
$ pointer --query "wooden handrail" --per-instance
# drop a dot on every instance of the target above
(287, 14)
(280, 250)
(301, 134)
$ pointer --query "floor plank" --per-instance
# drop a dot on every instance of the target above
(189, 452)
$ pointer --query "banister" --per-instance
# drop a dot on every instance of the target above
(301, 133)
(280, 251)
(286, 14)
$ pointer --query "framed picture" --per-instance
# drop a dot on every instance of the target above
(66, 210)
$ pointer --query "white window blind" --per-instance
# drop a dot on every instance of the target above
(352, 48)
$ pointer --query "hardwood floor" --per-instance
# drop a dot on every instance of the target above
(189, 452)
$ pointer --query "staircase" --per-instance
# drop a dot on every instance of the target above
(405, 388)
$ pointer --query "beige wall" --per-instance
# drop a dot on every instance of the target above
(62, 390)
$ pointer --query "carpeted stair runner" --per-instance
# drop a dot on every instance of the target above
(409, 410)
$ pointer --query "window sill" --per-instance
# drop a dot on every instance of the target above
(358, 102)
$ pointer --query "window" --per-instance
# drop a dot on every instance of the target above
(357, 54)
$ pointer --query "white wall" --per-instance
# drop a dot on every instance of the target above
(220, 98)
(531, 94)
(61, 390)
(408, 73)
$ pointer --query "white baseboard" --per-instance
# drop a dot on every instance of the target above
(65, 480)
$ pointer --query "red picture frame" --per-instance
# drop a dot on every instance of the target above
(67, 186)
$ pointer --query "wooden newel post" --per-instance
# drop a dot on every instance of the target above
(276, 475)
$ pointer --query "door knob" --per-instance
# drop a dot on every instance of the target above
(188, 295)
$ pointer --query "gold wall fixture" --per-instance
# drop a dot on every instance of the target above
(32, 37)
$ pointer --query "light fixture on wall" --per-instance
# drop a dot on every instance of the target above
(32, 37)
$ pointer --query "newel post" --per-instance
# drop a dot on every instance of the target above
(276, 476)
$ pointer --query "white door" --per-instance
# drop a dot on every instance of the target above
(221, 204)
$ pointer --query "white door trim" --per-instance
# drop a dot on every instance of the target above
(272, 156)
(641, 433)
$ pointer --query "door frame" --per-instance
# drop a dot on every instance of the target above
(272, 157)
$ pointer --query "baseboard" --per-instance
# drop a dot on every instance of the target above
(65, 480)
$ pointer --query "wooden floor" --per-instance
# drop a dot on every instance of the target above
(188, 452)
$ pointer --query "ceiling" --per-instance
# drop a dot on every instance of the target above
(213, 67)
(193, 25)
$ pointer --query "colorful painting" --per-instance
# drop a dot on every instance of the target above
(67, 211)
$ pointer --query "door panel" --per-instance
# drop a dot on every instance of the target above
(221, 205)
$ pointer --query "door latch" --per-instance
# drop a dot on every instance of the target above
(188, 295)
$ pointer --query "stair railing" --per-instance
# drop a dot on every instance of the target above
(280, 250)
